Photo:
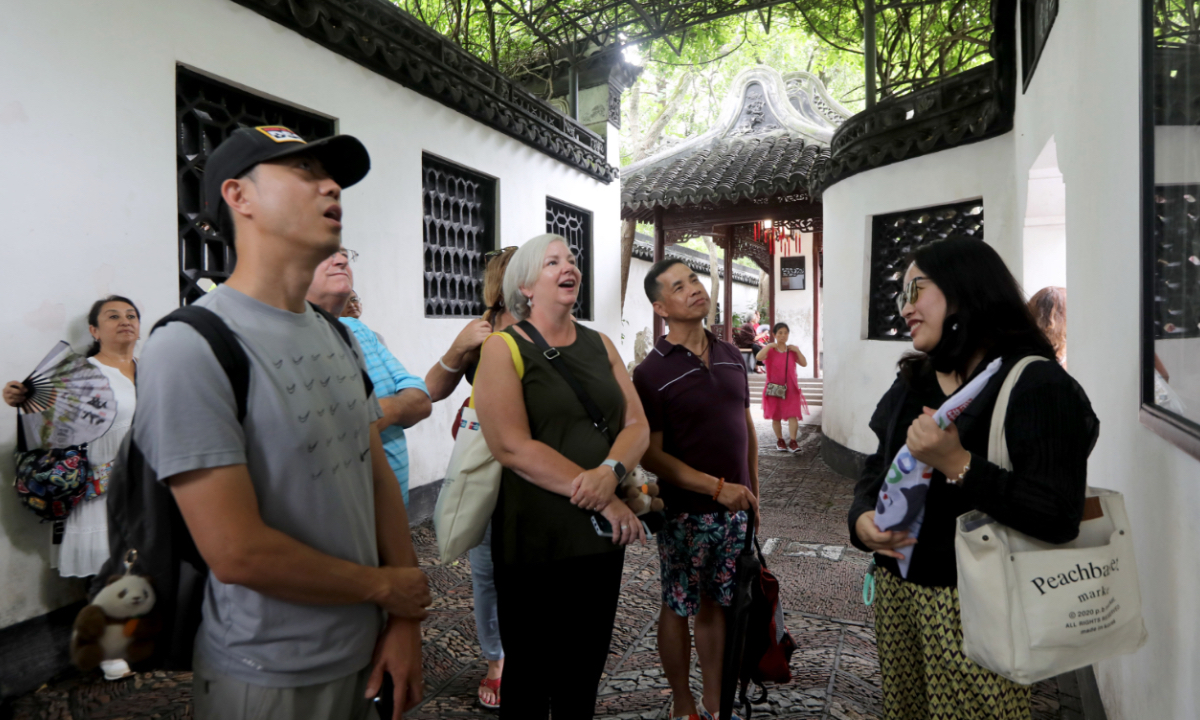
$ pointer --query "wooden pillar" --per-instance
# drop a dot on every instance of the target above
(728, 301)
(816, 281)
(660, 251)
(771, 293)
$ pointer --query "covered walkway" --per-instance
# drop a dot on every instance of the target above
(836, 672)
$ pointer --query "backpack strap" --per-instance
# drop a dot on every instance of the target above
(345, 333)
(225, 347)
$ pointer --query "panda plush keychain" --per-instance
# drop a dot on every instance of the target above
(118, 624)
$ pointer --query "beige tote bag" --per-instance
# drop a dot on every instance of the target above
(1031, 609)
(472, 485)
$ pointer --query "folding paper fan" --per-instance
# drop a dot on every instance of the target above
(69, 400)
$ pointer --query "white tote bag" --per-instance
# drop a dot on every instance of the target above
(472, 485)
(1031, 609)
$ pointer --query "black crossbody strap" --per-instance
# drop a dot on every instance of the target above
(225, 347)
(21, 446)
(560, 365)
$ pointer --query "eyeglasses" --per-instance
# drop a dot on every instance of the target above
(910, 294)
(350, 255)
(493, 253)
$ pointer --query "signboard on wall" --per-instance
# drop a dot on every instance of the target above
(791, 271)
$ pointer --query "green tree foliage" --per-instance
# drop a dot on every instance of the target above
(1176, 22)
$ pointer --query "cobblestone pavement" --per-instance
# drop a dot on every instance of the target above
(835, 669)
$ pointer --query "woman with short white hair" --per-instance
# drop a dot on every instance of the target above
(555, 572)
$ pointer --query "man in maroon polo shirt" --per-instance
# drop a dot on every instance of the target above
(704, 451)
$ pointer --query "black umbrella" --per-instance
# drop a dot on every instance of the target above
(737, 619)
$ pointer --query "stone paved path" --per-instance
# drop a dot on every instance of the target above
(836, 671)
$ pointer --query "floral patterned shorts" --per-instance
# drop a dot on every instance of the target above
(698, 554)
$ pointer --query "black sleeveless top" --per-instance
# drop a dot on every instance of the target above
(531, 524)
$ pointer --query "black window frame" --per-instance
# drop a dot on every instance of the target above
(890, 249)
(583, 247)
(1176, 429)
(459, 293)
(207, 110)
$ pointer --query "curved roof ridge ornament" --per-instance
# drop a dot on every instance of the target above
(810, 96)
(758, 103)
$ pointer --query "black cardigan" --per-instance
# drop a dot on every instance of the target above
(1050, 428)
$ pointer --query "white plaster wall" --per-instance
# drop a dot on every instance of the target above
(1045, 257)
(1085, 95)
(639, 315)
(795, 307)
(88, 193)
(1045, 247)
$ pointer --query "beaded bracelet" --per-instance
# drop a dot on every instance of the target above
(720, 486)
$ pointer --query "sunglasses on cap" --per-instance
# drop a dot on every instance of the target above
(909, 295)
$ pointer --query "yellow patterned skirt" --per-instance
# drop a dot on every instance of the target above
(926, 676)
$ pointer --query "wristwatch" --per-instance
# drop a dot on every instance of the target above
(617, 468)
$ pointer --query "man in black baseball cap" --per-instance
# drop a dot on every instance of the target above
(293, 506)
(342, 156)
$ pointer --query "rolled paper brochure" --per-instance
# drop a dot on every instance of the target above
(901, 504)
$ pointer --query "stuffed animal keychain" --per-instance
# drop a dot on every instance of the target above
(641, 495)
(118, 624)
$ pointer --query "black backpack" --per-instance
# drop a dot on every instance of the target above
(143, 516)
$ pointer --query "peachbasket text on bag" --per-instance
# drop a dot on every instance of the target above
(1031, 609)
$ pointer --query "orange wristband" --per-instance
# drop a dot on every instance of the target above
(720, 485)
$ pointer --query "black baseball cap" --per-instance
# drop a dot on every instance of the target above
(343, 157)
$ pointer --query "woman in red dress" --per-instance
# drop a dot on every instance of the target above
(781, 360)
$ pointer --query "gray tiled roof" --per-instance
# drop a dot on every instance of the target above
(643, 249)
(772, 133)
(726, 170)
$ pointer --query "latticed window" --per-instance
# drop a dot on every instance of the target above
(460, 227)
(893, 238)
(575, 224)
(206, 112)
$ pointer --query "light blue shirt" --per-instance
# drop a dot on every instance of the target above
(389, 378)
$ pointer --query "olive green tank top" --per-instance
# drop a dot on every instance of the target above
(533, 525)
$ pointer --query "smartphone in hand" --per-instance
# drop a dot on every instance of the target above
(384, 701)
(603, 527)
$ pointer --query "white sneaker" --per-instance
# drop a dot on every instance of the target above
(115, 669)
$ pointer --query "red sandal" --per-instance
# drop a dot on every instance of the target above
(494, 686)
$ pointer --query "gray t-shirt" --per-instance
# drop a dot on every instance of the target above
(306, 441)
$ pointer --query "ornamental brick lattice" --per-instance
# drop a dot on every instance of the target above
(460, 227)
(206, 112)
(893, 238)
(575, 224)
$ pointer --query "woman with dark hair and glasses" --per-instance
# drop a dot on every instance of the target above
(461, 360)
(965, 309)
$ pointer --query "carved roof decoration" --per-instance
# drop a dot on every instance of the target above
(771, 132)
(643, 249)
(383, 38)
